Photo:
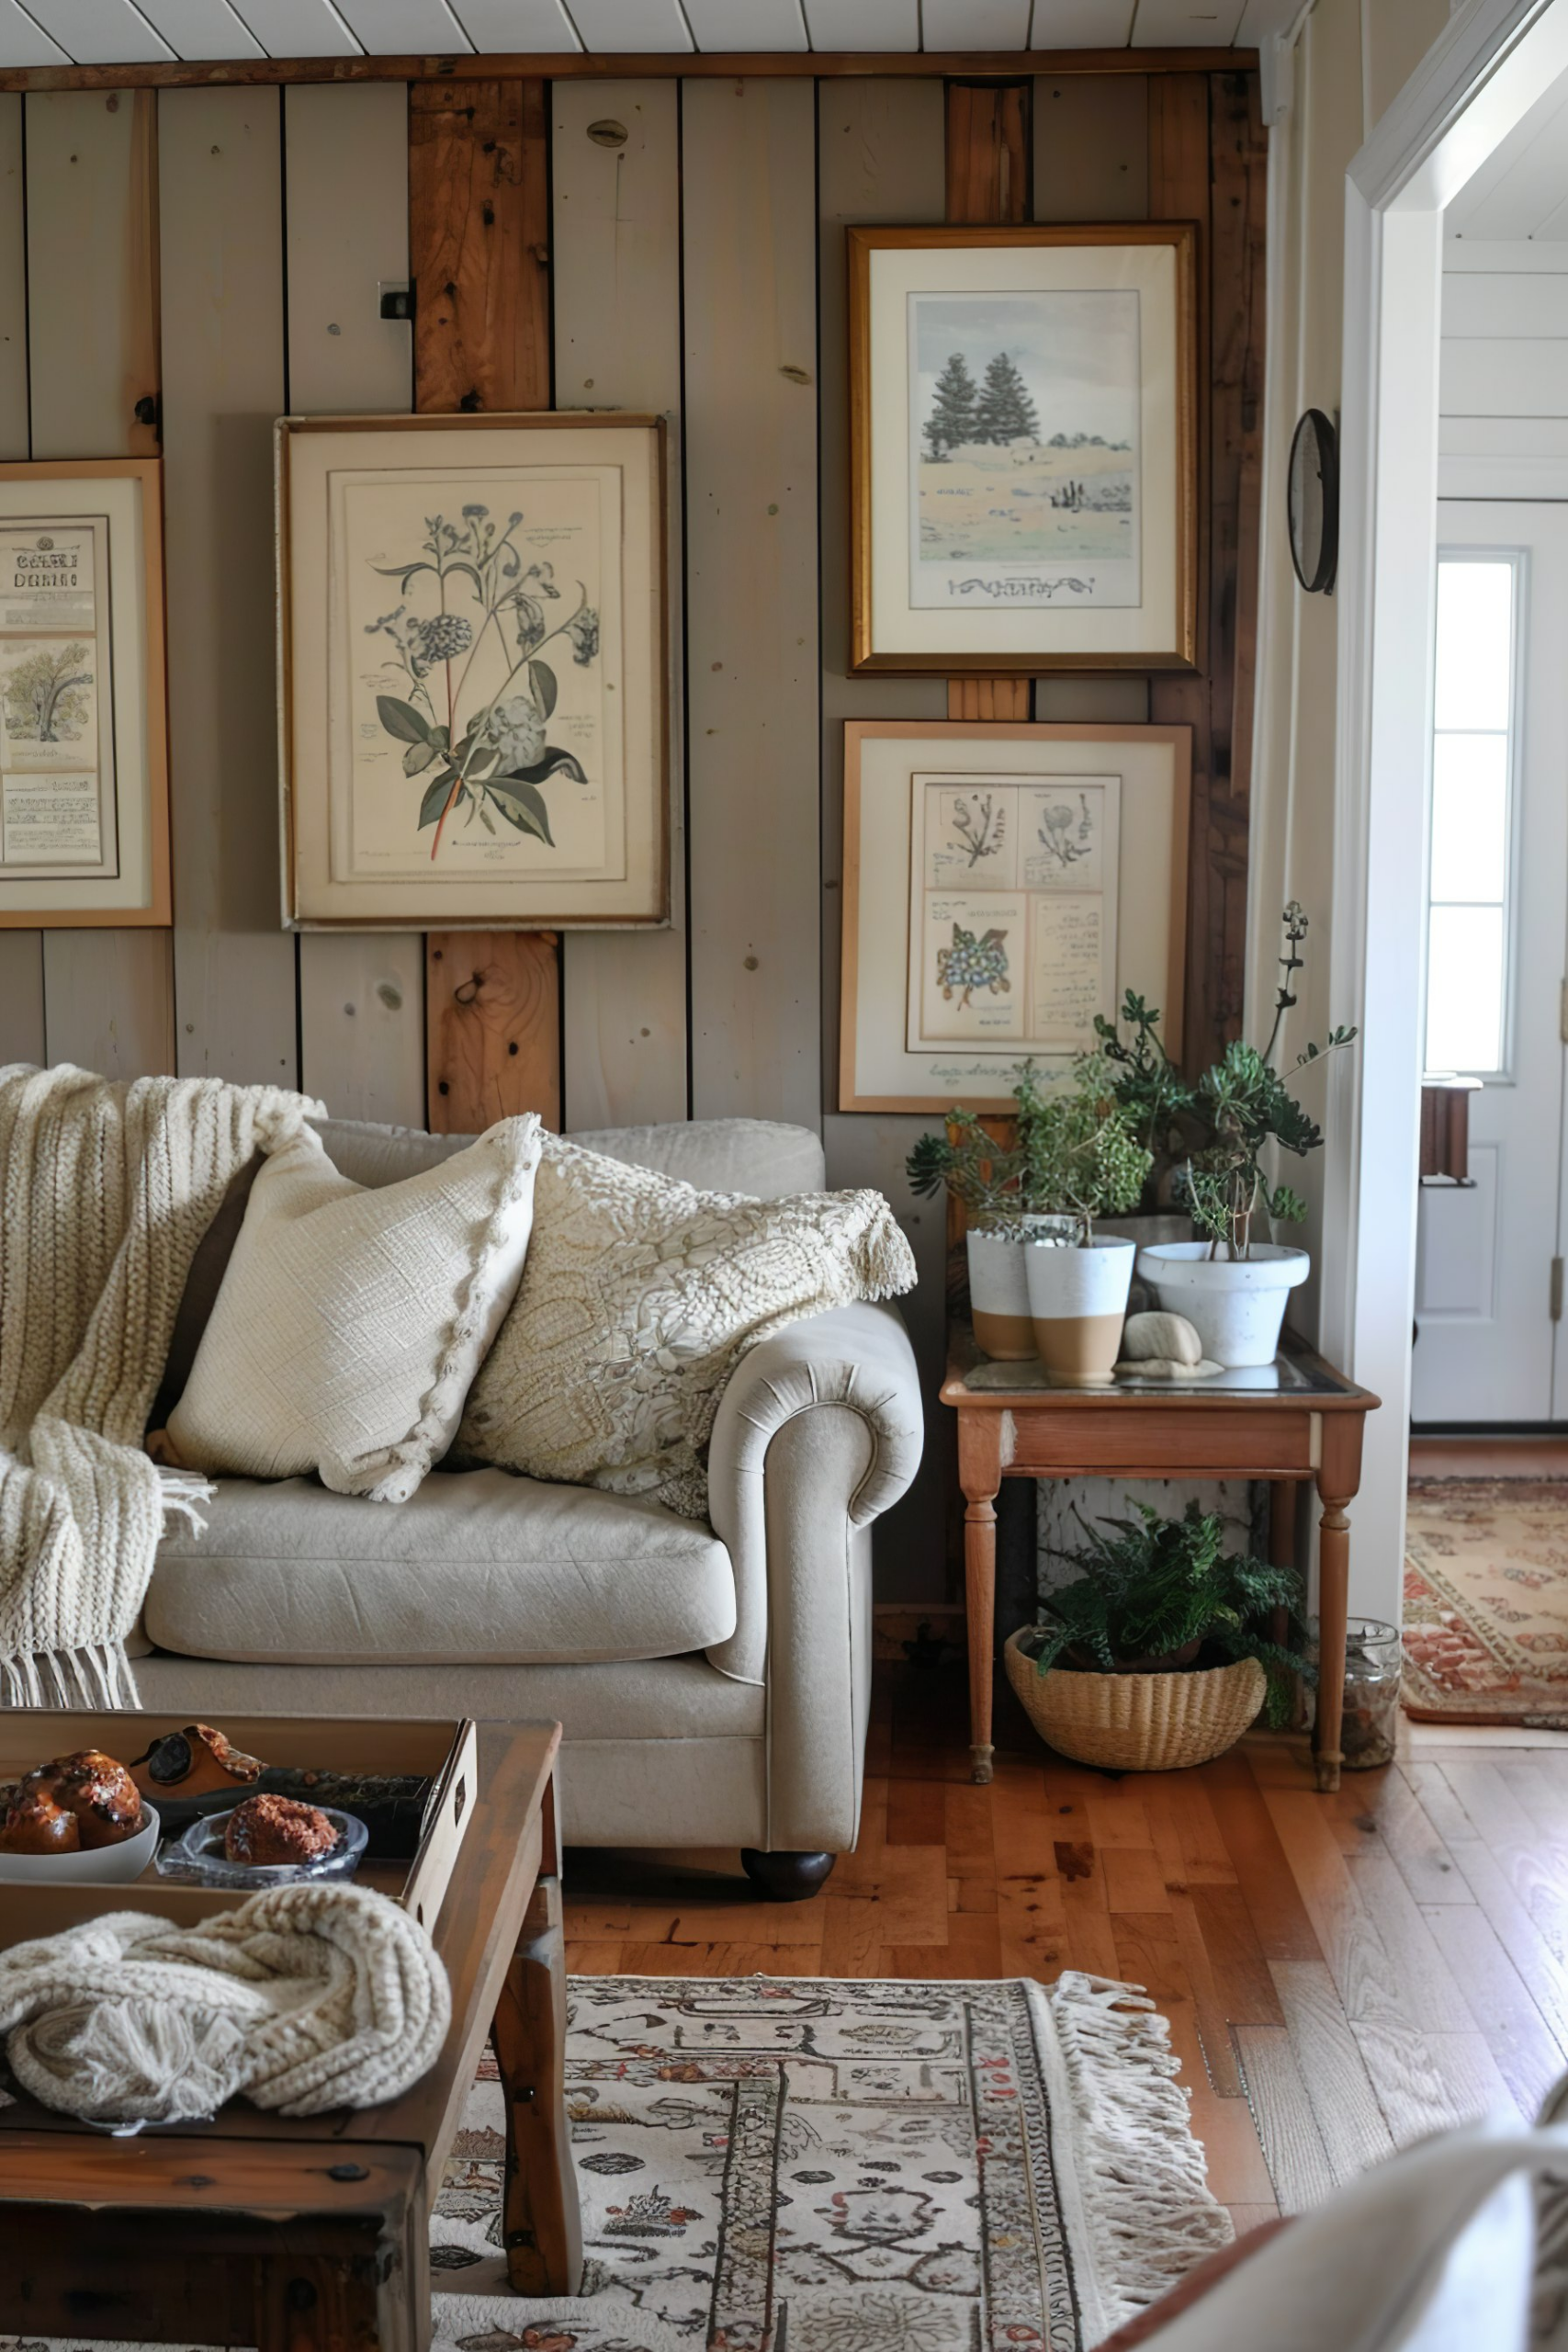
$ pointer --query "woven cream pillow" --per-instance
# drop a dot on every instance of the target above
(639, 1296)
(350, 1323)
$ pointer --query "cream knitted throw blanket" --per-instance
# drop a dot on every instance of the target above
(305, 1998)
(106, 1191)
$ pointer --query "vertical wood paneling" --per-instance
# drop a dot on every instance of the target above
(224, 339)
(480, 252)
(880, 158)
(21, 952)
(616, 274)
(93, 355)
(346, 162)
(751, 336)
(1178, 190)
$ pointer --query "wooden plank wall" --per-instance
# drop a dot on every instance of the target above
(672, 245)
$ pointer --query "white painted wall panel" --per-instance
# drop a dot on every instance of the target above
(1503, 377)
(403, 27)
(1480, 254)
(974, 24)
(863, 24)
(101, 32)
(298, 28)
(499, 26)
(747, 23)
(201, 28)
(628, 26)
(13, 282)
(1505, 302)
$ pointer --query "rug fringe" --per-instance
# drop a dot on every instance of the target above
(1149, 2211)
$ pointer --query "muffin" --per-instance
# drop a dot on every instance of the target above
(91, 1789)
(266, 1830)
(34, 1824)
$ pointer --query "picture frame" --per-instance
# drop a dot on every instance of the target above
(84, 703)
(1078, 893)
(473, 671)
(1023, 447)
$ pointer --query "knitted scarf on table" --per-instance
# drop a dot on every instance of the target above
(304, 1998)
(106, 1190)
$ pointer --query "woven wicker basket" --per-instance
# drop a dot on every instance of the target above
(1138, 1723)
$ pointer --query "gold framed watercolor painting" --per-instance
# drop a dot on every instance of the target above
(472, 652)
(83, 742)
(1023, 440)
(1003, 884)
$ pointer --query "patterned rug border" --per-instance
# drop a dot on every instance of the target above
(1531, 1705)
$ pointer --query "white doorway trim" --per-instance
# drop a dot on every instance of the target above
(1481, 76)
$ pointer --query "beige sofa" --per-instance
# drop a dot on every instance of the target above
(713, 1681)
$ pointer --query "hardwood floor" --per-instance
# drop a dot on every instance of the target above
(1342, 1975)
(1489, 1457)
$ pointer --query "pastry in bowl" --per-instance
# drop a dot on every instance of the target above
(267, 1831)
(77, 1803)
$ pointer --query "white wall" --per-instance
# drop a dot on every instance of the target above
(1503, 390)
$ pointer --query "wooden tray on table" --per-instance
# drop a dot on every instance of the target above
(443, 1748)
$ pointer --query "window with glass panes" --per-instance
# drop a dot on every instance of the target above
(1470, 876)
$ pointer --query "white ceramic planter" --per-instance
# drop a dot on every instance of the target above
(999, 1288)
(1236, 1305)
(1078, 1304)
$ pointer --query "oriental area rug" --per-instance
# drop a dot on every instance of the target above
(796, 2164)
(1486, 1601)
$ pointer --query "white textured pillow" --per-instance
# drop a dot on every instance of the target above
(350, 1323)
(638, 1295)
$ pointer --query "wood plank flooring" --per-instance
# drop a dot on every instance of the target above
(1341, 1975)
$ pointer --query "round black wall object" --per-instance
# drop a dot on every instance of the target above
(1312, 502)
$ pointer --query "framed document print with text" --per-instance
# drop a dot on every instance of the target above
(472, 640)
(1023, 439)
(84, 748)
(1002, 885)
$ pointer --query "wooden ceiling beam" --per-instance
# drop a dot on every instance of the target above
(565, 66)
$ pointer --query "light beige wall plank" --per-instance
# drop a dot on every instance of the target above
(109, 1001)
(21, 996)
(750, 337)
(21, 952)
(346, 180)
(13, 283)
(222, 265)
(93, 355)
(880, 149)
(616, 277)
(1092, 147)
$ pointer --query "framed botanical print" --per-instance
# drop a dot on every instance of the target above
(472, 657)
(84, 747)
(1002, 885)
(1023, 407)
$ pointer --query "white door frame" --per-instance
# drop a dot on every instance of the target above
(1484, 72)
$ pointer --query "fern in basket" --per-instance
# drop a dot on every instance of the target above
(1157, 1594)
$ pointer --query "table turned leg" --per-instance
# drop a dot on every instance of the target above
(980, 1476)
(1338, 1477)
(541, 2222)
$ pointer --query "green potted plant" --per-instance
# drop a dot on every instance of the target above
(990, 1179)
(1232, 1283)
(1161, 1652)
(1082, 1161)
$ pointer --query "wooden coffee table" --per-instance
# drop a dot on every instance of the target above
(312, 2236)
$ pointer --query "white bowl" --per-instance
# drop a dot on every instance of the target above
(105, 1866)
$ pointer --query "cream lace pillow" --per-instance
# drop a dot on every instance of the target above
(350, 1322)
(639, 1296)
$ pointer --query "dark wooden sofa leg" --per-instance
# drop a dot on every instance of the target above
(785, 1878)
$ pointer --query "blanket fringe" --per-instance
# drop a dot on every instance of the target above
(184, 1493)
(97, 1677)
(1149, 2209)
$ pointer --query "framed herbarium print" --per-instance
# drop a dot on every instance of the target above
(1023, 407)
(1003, 885)
(472, 653)
(83, 748)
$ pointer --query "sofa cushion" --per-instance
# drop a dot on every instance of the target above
(479, 1567)
(766, 1158)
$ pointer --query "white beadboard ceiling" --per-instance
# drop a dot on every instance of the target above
(144, 32)
(1521, 190)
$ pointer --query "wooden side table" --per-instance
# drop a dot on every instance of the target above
(1297, 1418)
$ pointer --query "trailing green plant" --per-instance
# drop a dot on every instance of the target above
(1158, 1594)
(1144, 1078)
(1243, 1104)
(1076, 1154)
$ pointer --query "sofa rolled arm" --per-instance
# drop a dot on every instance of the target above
(817, 1432)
